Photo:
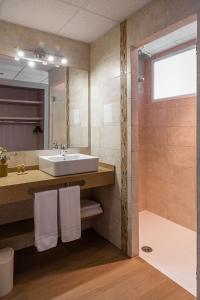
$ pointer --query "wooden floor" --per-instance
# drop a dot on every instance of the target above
(90, 269)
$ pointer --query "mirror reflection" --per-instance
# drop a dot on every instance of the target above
(42, 106)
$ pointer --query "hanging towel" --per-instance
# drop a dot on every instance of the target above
(70, 213)
(46, 220)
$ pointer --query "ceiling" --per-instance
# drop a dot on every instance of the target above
(83, 20)
(15, 70)
(177, 37)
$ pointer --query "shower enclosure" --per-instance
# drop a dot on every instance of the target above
(166, 160)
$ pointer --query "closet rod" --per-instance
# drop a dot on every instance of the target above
(18, 122)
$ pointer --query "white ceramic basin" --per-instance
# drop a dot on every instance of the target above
(58, 165)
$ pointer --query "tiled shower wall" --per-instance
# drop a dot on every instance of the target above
(153, 21)
(168, 157)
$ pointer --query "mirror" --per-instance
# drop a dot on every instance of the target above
(68, 107)
(78, 111)
(42, 106)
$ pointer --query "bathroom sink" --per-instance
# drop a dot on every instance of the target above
(59, 165)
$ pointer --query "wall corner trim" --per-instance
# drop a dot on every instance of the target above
(124, 140)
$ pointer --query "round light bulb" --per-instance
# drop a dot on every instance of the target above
(20, 53)
(63, 61)
(50, 58)
(31, 64)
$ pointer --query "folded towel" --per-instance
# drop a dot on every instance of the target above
(46, 220)
(90, 208)
(91, 212)
(70, 213)
(86, 204)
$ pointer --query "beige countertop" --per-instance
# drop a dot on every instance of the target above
(15, 187)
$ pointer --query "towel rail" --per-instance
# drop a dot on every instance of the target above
(32, 191)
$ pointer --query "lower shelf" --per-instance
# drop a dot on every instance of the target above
(20, 235)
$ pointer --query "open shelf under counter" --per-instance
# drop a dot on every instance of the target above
(20, 234)
(15, 188)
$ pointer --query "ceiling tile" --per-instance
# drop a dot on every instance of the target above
(35, 72)
(86, 26)
(172, 39)
(184, 39)
(7, 70)
(32, 75)
(53, 15)
(45, 81)
(46, 15)
(9, 67)
(7, 74)
(29, 77)
(115, 9)
(157, 45)
(189, 31)
(79, 3)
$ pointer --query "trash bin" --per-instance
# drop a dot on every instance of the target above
(6, 270)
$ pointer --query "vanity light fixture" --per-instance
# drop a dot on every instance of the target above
(20, 53)
(31, 63)
(50, 58)
(39, 56)
(63, 61)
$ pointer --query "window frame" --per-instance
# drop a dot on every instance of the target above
(165, 54)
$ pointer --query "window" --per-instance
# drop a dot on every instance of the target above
(175, 75)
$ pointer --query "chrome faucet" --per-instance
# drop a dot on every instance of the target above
(62, 149)
(55, 146)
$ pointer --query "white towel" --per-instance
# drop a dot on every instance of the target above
(90, 208)
(46, 220)
(70, 213)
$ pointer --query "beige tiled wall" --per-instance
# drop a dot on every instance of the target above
(169, 142)
(105, 126)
